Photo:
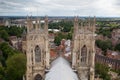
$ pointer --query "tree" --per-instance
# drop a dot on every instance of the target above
(69, 36)
(6, 50)
(104, 45)
(5, 32)
(61, 36)
(15, 31)
(4, 35)
(2, 73)
(102, 71)
(16, 67)
(117, 47)
(57, 40)
(65, 26)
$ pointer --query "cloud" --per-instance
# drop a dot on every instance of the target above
(60, 7)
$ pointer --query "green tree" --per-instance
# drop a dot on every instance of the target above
(5, 32)
(57, 40)
(15, 31)
(16, 67)
(6, 50)
(104, 45)
(64, 26)
(117, 47)
(102, 71)
(4, 35)
(2, 73)
(2, 61)
(59, 37)
(69, 36)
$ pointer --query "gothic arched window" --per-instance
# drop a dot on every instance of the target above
(38, 77)
(37, 54)
(83, 54)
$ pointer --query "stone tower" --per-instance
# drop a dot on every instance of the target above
(35, 46)
(83, 52)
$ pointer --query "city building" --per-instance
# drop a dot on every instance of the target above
(115, 36)
(16, 42)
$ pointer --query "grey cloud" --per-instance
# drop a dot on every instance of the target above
(59, 7)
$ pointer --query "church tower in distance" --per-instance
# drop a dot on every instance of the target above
(83, 52)
(35, 46)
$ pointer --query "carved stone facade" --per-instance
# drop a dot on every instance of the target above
(35, 46)
(83, 51)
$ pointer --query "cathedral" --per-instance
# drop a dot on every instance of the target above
(36, 47)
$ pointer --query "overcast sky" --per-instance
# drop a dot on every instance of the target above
(101, 8)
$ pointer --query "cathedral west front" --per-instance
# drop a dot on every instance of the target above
(36, 47)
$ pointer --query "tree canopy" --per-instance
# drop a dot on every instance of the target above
(104, 44)
(117, 47)
(5, 32)
(12, 63)
(64, 26)
(102, 71)
(16, 67)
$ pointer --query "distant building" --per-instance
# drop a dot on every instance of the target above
(53, 54)
(13, 41)
(101, 37)
(54, 30)
(16, 42)
(113, 54)
(115, 64)
(1, 22)
(7, 22)
(115, 36)
(67, 48)
(51, 37)
(18, 23)
(98, 51)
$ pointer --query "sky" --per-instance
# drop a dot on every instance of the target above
(100, 8)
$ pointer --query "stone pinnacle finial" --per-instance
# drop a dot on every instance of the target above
(89, 22)
(76, 18)
(46, 19)
(27, 17)
(46, 24)
(94, 24)
(94, 19)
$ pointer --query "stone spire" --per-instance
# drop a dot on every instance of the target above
(27, 20)
(46, 24)
(37, 24)
(86, 25)
(94, 24)
(76, 24)
(29, 24)
(89, 23)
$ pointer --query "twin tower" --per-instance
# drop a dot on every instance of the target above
(36, 48)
